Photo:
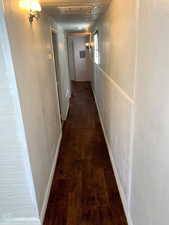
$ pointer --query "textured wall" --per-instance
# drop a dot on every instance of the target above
(17, 197)
(150, 193)
(114, 85)
(35, 72)
(117, 43)
(131, 89)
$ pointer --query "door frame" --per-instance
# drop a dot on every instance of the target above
(52, 30)
(70, 43)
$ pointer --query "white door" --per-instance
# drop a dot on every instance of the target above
(81, 58)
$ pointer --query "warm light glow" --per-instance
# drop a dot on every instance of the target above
(89, 44)
(35, 6)
(24, 5)
(30, 5)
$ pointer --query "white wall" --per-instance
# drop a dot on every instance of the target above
(71, 58)
(131, 90)
(17, 197)
(150, 181)
(79, 67)
(82, 72)
(64, 70)
(114, 85)
(32, 53)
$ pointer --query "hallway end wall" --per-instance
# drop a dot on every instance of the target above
(79, 65)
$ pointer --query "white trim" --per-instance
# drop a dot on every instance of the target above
(67, 97)
(67, 110)
(120, 188)
(21, 221)
(52, 29)
(59, 103)
(133, 112)
(121, 91)
(46, 198)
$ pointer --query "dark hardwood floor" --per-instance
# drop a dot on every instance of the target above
(84, 190)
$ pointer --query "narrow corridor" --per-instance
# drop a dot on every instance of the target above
(84, 190)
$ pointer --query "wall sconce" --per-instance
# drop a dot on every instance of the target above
(89, 45)
(33, 7)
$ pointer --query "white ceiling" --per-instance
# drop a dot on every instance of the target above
(75, 14)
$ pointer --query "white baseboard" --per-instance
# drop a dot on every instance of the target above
(120, 188)
(67, 110)
(46, 198)
(21, 221)
(65, 114)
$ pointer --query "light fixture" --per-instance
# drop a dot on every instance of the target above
(33, 7)
(89, 45)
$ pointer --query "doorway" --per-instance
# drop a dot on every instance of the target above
(79, 59)
(56, 60)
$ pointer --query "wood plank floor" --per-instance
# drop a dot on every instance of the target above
(84, 190)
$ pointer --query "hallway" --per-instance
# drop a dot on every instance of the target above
(84, 190)
(62, 175)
